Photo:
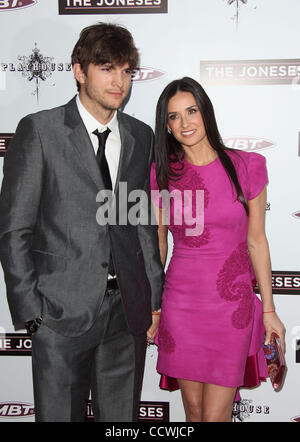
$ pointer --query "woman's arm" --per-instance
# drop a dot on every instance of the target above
(163, 248)
(259, 253)
(162, 235)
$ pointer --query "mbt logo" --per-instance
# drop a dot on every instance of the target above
(145, 74)
(4, 142)
(295, 419)
(296, 215)
(15, 410)
(9, 5)
(248, 144)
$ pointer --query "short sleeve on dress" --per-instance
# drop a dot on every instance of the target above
(155, 195)
(257, 174)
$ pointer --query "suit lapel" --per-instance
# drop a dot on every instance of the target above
(83, 147)
(127, 148)
(81, 143)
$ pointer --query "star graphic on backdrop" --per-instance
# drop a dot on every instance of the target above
(36, 68)
(237, 4)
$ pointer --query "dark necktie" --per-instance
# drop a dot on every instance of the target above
(104, 169)
(101, 158)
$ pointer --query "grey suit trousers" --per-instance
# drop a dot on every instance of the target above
(107, 359)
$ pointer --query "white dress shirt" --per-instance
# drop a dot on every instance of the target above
(113, 143)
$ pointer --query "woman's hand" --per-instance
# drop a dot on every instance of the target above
(151, 332)
(273, 324)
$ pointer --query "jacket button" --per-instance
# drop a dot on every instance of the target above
(104, 265)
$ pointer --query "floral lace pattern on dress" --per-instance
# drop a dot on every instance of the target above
(233, 290)
(190, 180)
(166, 342)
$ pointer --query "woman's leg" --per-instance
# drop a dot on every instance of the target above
(206, 402)
(191, 392)
(217, 403)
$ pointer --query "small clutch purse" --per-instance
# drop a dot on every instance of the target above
(276, 364)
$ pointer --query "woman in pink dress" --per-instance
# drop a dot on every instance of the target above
(212, 324)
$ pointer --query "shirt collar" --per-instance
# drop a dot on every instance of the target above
(91, 123)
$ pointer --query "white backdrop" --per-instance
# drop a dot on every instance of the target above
(257, 112)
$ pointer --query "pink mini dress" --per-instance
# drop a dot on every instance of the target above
(211, 328)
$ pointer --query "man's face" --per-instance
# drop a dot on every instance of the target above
(104, 86)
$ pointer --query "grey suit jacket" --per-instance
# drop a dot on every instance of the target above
(54, 253)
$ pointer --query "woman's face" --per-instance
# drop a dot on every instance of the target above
(185, 120)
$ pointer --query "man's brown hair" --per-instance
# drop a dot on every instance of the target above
(105, 43)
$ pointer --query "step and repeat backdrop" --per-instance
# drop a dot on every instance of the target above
(245, 53)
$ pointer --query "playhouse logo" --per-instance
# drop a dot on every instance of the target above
(237, 4)
(36, 68)
(245, 408)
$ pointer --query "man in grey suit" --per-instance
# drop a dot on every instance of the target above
(85, 290)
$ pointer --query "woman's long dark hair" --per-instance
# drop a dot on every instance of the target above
(168, 150)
